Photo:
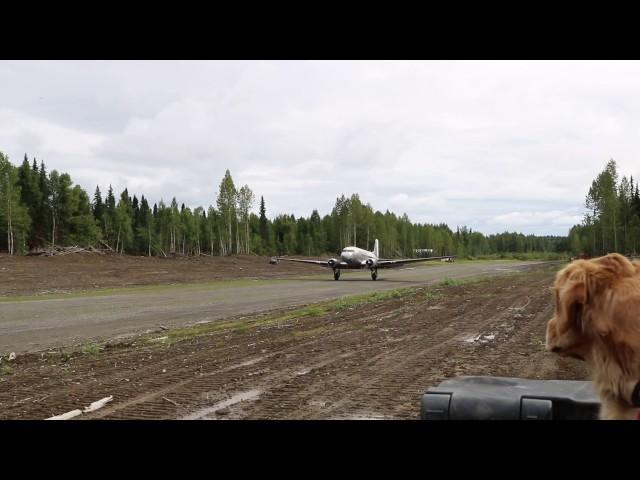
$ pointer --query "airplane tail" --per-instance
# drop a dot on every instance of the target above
(376, 251)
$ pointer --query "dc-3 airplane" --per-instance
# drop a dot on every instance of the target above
(357, 258)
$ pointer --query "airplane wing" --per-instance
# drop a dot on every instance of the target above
(321, 263)
(382, 263)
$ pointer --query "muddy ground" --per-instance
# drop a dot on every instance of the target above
(39, 275)
(332, 361)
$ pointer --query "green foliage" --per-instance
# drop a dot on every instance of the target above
(63, 214)
(15, 221)
(612, 221)
(92, 349)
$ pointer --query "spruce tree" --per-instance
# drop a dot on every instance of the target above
(264, 226)
(98, 208)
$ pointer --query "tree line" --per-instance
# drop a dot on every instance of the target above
(40, 210)
(612, 221)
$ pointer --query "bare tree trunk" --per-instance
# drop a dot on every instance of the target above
(9, 227)
(149, 234)
(354, 235)
(221, 242)
(615, 234)
(53, 232)
(247, 235)
(238, 248)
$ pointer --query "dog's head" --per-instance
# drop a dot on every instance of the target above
(583, 293)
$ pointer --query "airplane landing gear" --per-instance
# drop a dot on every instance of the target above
(336, 274)
(374, 274)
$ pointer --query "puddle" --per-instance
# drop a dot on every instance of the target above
(472, 339)
(237, 398)
(481, 338)
(362, 416)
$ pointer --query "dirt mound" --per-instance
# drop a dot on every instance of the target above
(37, 275)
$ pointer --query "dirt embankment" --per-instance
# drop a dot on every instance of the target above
(336, 361)
(36, 275)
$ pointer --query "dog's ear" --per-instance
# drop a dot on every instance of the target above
(604, 271)
(572, 293)
(600, 277)
(580, 285)
(614, 266)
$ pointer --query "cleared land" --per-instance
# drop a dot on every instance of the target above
(36, 275)
(365, 357)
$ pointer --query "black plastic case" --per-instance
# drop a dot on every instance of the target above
(502, 398)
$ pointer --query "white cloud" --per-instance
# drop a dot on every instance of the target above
(493, 145)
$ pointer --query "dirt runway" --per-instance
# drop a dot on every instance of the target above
(37, 323)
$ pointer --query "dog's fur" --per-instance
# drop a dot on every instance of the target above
(597, 319)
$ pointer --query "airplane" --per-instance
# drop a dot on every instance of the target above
(357, 258)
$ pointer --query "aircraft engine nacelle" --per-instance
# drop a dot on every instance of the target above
(332, 262)
(371, 263)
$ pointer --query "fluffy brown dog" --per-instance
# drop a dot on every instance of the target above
(597, 319)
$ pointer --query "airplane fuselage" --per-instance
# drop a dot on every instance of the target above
(356, 257)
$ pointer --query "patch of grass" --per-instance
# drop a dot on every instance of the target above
(309, 333)
(183, 333)
(432, 295)
(516, 256)
(451, 282)
(6, 369)
(349, 303)
(456, 282)
(92, 349)
(313, 310)
(486, 295)
(66, 354)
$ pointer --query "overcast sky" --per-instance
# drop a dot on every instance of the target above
(492, 145)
